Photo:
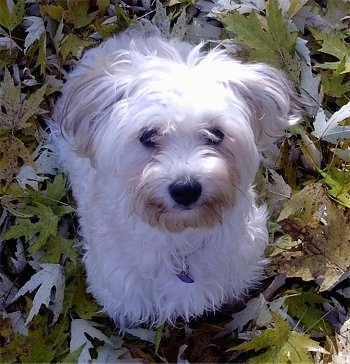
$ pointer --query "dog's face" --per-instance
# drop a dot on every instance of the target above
(187, 160)
(180, 140)
(183, 152)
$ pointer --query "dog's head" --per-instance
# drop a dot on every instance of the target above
(179, 130)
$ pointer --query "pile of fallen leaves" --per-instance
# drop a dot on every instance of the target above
(302, 311)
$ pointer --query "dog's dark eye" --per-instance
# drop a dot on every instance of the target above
(215, 136)
(148, 137)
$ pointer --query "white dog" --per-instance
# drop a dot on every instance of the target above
(161, 143)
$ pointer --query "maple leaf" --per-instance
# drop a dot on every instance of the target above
(273, 44)
(330, 130)
(46, 208)
(306, 308)
(50, 276)
(18, 112)
(84, 334)
(332, 43)
(56, 12)
(13, 152)
(41, 230)
(27, 176)
(52, 196)
(281, 345)
(324, 232)
(334, 78)
(35, 31)
(73, 46)
(250, 32)
(339, 183)
(79, 12)
(41, 345)
(11, 14)
(254, 307)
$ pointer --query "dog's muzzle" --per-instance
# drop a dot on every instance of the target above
(185, 191)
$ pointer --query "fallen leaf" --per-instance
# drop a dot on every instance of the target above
(18, 111)
(108, 349)
(40, 230)
(11, 14)
(35, 31)
(281, 345)
(324, 233)
(341, 356)
(50, 276)
(13, 153)
(330, 130)
(306, 309)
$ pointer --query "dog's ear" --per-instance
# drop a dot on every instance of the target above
(270, 97)
(88, 99)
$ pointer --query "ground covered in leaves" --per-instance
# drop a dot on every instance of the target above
(301, 312)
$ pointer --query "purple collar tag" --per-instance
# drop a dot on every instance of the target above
(184, 277)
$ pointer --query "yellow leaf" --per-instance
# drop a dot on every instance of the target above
(55, 12)
(74, 46)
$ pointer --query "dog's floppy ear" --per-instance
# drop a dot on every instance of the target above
(270, 97)
(88, 98)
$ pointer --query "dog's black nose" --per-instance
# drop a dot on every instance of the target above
(185, 191)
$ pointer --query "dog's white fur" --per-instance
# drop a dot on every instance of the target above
(137, 239)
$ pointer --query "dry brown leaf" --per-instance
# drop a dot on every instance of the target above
(13, 154)
(324, 233)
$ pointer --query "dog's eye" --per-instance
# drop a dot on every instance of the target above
(147, 138)
(214, 137)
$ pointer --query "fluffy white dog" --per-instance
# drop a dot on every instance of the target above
(161, 143)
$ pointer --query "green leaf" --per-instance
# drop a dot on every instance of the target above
(272, 44)
(45, 227)
(249, 31)
(280, 345)
(56, 12)
(74, 46)
(305, 307)
(332, 43)
(102, 5)
(73, 356)
(59, 250)
(278, 28)
(11, 14)
(76, 297)
(56, 189)
(158, 337)
(334, 78)
(79, 12)
(339, 183)
(43, 344)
